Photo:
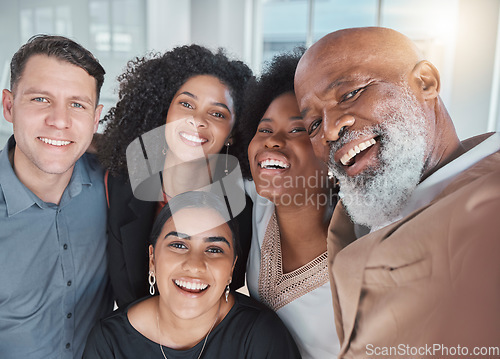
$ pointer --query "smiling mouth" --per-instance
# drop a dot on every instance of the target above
(348, 159)
(193, 138)
(58, 143)
(274, 164)
(191, 287)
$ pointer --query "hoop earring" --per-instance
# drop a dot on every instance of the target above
(152, 281)
(226, 171)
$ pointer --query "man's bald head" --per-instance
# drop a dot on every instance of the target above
(388, 50)
(365, 45)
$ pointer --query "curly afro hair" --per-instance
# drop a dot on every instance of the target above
(276, 79)
(147, 88)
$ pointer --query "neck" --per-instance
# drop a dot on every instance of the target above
(446, 145)
(46, 186)
(179, 177)
(181, 334)
(301, 240)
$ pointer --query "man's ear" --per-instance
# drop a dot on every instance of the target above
(97, 117)
(7, 103)
(425, 77)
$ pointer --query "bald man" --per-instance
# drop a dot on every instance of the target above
(425, 280)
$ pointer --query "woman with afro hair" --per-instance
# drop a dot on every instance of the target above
(293, 201)
(173, 129)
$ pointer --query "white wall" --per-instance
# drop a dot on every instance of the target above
(474, 61)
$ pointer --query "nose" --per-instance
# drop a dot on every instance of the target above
(275, 140)
(59, 117)
(194, 263)
(334, 127)
(197, 121)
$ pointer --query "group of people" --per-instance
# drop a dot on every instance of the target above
(334, 185)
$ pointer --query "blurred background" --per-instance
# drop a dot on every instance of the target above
(459, 36)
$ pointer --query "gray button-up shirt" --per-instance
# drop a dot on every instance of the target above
(53, 270)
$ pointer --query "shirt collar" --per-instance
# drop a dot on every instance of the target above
(429, 188)
(19, 198)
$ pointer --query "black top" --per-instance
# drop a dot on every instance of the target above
(248, 331)
(130, 221)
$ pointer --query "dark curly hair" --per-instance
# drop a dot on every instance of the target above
(276, 79)
(147, 88)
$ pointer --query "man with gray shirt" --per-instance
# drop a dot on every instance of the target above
(54, 282)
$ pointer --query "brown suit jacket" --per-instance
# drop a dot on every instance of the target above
(430, 279)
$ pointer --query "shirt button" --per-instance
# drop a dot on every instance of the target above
(69, 283)
(69, 315)
(65, 246)
(68, 345)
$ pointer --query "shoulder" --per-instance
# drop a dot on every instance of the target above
(261, 330)
(105, 334)
(90, 163)
(259, 319)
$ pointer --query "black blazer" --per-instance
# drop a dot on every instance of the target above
(130, 221)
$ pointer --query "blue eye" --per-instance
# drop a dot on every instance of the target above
(40, 99)
(76, 105)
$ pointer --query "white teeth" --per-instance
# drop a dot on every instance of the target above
(191, 285)
(357, 149)
(193, 138)
(273, 164)
(54, 142)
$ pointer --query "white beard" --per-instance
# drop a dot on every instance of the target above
(375, 197)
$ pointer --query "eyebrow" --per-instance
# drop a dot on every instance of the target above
(210, 239)
(193, 96)
(331, 86)
(35, 91)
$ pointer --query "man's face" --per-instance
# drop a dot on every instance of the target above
(373, 125)
(54, 115)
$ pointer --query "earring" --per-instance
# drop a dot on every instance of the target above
(226, 171)
(227, 290)
(152, 281)
(164, 151)
(331, 177)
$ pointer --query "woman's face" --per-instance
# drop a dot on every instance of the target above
(282, 159)
(193, 261)
(200, 118)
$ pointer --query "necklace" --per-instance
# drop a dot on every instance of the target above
(204, 342)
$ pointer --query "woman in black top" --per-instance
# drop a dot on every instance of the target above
(195, 315)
